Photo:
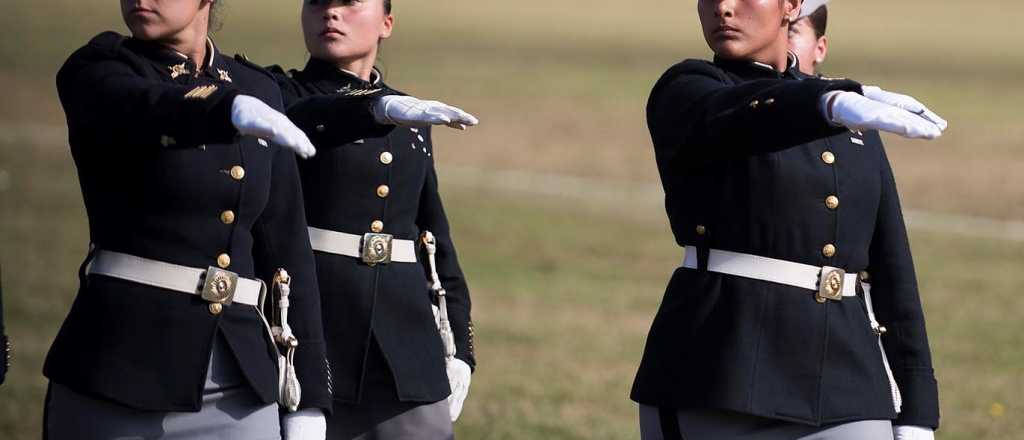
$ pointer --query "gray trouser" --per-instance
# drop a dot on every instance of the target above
(725, 425)
(231, 410)
(414, 422)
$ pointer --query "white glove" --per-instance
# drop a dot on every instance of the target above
(913, 433)
(413, 112)
(459, 377)
(904, 102)
(306, 424)
(856, 112)
(253, 117)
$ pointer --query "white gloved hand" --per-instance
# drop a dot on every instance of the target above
(414, 112)
(253, 117)
(913, 433)
(905, 102)
(306, 424)
(459, 377)
(856, 112)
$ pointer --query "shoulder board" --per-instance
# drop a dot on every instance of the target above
(244, 60)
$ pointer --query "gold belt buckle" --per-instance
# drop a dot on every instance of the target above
(219, 286)
(830, 284)
(377, 248)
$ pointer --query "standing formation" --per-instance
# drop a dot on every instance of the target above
(199, 311)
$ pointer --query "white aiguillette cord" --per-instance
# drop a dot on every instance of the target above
(445, 326)
(290, 390)
(897, 397)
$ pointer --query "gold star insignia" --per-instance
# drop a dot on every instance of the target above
(224, 76)
(178, 70)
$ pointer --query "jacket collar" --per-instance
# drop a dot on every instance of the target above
(329, 77)
(754, 70)
(179, 66)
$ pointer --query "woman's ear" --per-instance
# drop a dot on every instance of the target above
(821, 50)
(792, 10)
(388, 27)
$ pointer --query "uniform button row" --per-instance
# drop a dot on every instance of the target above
(829, 250)
(386, 158)
(227, 217)
(383, 191)
(377, 226)
(828, 157)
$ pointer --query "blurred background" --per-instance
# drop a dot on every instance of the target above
(542, 194)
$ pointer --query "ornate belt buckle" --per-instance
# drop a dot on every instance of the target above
(377, 248)
(219, 286)
(830, 285)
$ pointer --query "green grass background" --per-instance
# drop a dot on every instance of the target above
(562, 305)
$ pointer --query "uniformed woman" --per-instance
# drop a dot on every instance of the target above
(778, 187)
(370, 204)
(190, 182)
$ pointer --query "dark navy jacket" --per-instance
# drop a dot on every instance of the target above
(747, 162)
(159, 164)
(388, 305)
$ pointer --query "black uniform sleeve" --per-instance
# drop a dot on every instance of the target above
(898, 308)
(5, 348)
(104, 96)
(335, 119)
(282, 241)
(431, 217)
(695, 113)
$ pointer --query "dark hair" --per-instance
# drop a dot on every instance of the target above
(387, 6)
(819, 21)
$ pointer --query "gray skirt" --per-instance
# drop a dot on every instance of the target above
(231, 410)
(725, 425)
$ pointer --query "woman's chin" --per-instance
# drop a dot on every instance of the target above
(731, 49)
(338, 53)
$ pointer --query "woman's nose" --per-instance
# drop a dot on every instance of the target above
(725, 8)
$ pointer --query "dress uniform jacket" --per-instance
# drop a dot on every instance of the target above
(166, 176)
(749, 164)
(384, 184)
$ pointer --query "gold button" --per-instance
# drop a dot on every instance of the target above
(754, 103)
(828, 157)
(865, 276)
(237, 172)
(386, 158)
(829, 250)
(701, 230)
(383, 191)
(377, 226)
(769, 101)
(320, 128)
(223, 260)
(216, 308)
(227, 217)
(832, 202)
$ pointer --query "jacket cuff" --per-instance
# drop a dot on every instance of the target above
(314, 373)
(920, 394)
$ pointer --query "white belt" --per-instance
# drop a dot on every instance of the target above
(371, 248)
(213, 284)
(830, 282)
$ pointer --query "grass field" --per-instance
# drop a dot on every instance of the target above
(561, 309)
